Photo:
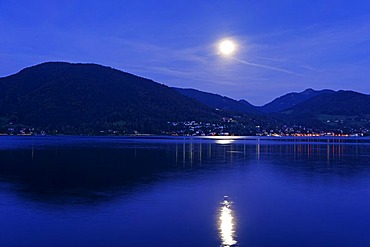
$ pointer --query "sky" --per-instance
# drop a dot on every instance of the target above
(282, 46)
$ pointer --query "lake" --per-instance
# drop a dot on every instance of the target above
(184, 191)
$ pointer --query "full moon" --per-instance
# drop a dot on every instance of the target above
(226, 47)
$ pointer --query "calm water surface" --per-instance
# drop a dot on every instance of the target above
(150, 191)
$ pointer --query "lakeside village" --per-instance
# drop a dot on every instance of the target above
(228, 127)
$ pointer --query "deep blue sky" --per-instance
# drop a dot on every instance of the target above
(283, 46)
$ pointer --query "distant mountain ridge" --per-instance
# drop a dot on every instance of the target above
(341, 110)
(291, 99)
(280, 104)
(313, 108)
(348, 103)
(219, 102)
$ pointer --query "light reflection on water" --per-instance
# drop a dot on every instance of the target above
(119, 189)
(227, 224)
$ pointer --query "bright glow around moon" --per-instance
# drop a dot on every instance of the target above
(227, 47)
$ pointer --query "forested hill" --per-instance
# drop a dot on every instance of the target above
(347, 103)
(291, 99)
(82, 98)
(68, 98)
(342, 110)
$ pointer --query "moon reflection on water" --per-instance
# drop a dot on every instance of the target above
(226, 224)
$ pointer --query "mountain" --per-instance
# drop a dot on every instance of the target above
(83, 98)
(347, 103)
(219, 102)
(70, 98)
(341, 108)
(291, 99)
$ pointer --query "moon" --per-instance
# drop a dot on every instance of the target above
(227, 47)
